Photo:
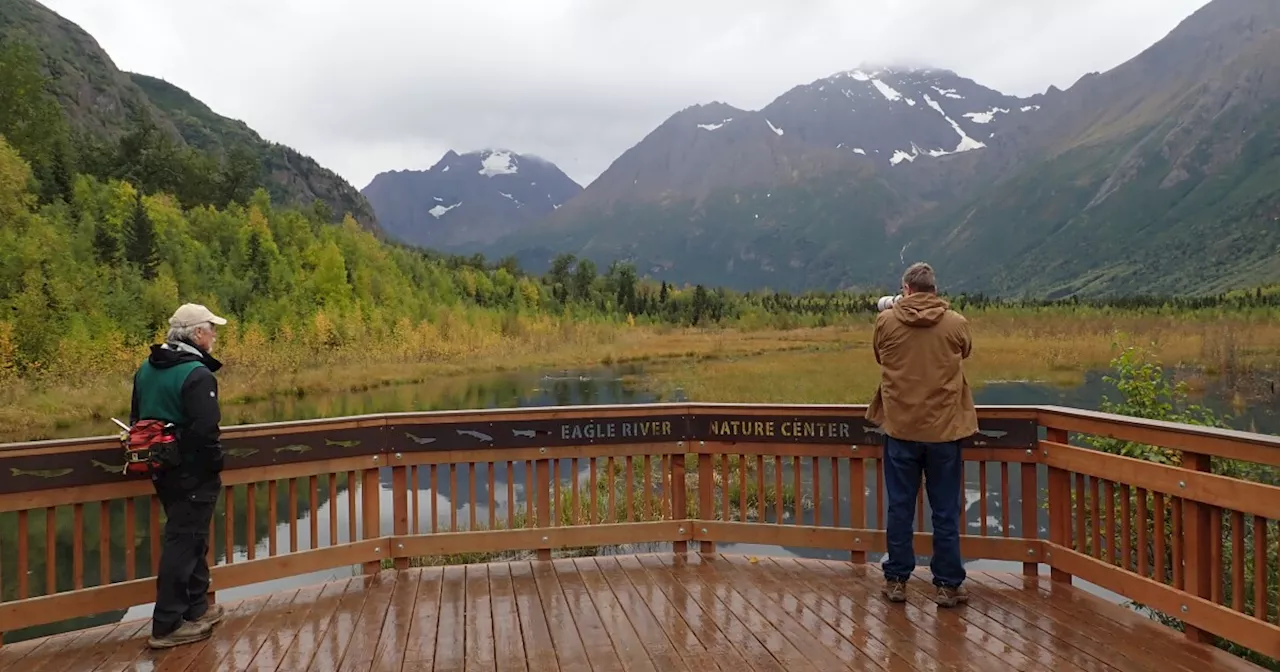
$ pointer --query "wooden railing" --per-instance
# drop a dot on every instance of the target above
(79, 541)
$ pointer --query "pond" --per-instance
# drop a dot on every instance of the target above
(597, 386)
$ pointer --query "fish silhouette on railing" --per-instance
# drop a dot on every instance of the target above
(479, 435)
(341, 444)
(420, 440)
(240, 452)
(530, 433)
(41, 473)
(293, 448)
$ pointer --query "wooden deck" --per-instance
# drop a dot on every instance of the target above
(648, 612)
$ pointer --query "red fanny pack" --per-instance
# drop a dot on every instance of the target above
(150, 446)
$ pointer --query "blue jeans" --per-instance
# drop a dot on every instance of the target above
(943, 469)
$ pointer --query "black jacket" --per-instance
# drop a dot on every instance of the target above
(199, 433)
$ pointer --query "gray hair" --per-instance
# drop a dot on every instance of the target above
(185, 334)
(920, 278)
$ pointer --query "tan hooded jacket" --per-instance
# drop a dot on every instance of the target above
(923, 395)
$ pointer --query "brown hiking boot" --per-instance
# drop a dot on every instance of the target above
(950, 597)
(212, 616)
(894, 591)
(186, 633)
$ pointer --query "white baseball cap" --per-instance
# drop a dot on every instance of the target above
(192, 314)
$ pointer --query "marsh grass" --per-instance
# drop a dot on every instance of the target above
(1055, 350)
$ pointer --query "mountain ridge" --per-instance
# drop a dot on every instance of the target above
(1066, 192)
(468, 199)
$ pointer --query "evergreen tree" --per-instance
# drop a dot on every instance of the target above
(141, 248)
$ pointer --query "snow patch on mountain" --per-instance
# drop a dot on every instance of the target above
(985, 117)
(440, 210)
(712, 127)
(773, 128)
(497, 163)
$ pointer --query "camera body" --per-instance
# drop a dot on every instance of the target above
(887, 302)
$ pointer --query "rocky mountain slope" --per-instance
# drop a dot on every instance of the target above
(1159, 176)
(468, 200)
(98, 98)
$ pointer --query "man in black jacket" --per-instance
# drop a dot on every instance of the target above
(176, 385)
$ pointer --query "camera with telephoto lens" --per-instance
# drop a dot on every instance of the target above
(887, 302)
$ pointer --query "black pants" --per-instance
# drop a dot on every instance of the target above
(183, 581)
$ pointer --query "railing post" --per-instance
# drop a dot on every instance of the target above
(679, 509)
(400, 507)
(1196, 545)
(542, 493)
(370, 510)
(1059, 506)
(1030, 513)
(706, 496)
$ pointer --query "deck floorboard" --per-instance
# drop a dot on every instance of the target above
(648, 612)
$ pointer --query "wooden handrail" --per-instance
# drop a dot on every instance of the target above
(671, 473)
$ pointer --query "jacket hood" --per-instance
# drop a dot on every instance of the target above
(921, 310)
(166, 355)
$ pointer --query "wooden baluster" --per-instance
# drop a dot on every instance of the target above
(1158, 531)
(531, 491)
(799, 490)
(592, 482)
(1030, 510)
(273, 517)
(51, 550)
(982, 500)
(435, 499)
(1126, 529)
(1215, 557)
(24, 562)
(228, 526)
(1006, 513)
(352, 534)
(724, 487)
(630, 485)
(1260, 568)
(706, 498)
(1109, 501)
(857, 503)
(77, 546)
(613, 487)
(156, 533)
(371, 518)
(489, 469)
(400, 511)
(1175, 507)
(881, 511)
(471, 491)
(313, 505)
(293, 515)
(104, 542)
(742, 488)
(645, 498)
(1095, 528)
(251, 520)
(1082, 510)
(1143, 534)
(1201, 545)
(835, 491)
(511, 495)
(542, 493)
(1059, 505)
(679, 507)
(332, 480)
(453, 497)
(415, 474)
(779, 501)
(130, 535)
(816, 479)
(1237, 561)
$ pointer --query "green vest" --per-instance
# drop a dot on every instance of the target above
(160, 392)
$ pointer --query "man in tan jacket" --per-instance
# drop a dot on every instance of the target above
(925, 407)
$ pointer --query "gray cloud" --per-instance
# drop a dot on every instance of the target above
(372, 85)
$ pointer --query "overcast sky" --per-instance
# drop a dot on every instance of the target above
(371, 85)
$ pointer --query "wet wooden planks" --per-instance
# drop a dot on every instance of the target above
(648, 612)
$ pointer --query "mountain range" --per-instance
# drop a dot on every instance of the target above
(1160, 175)
(99, 99)
(468, 200)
